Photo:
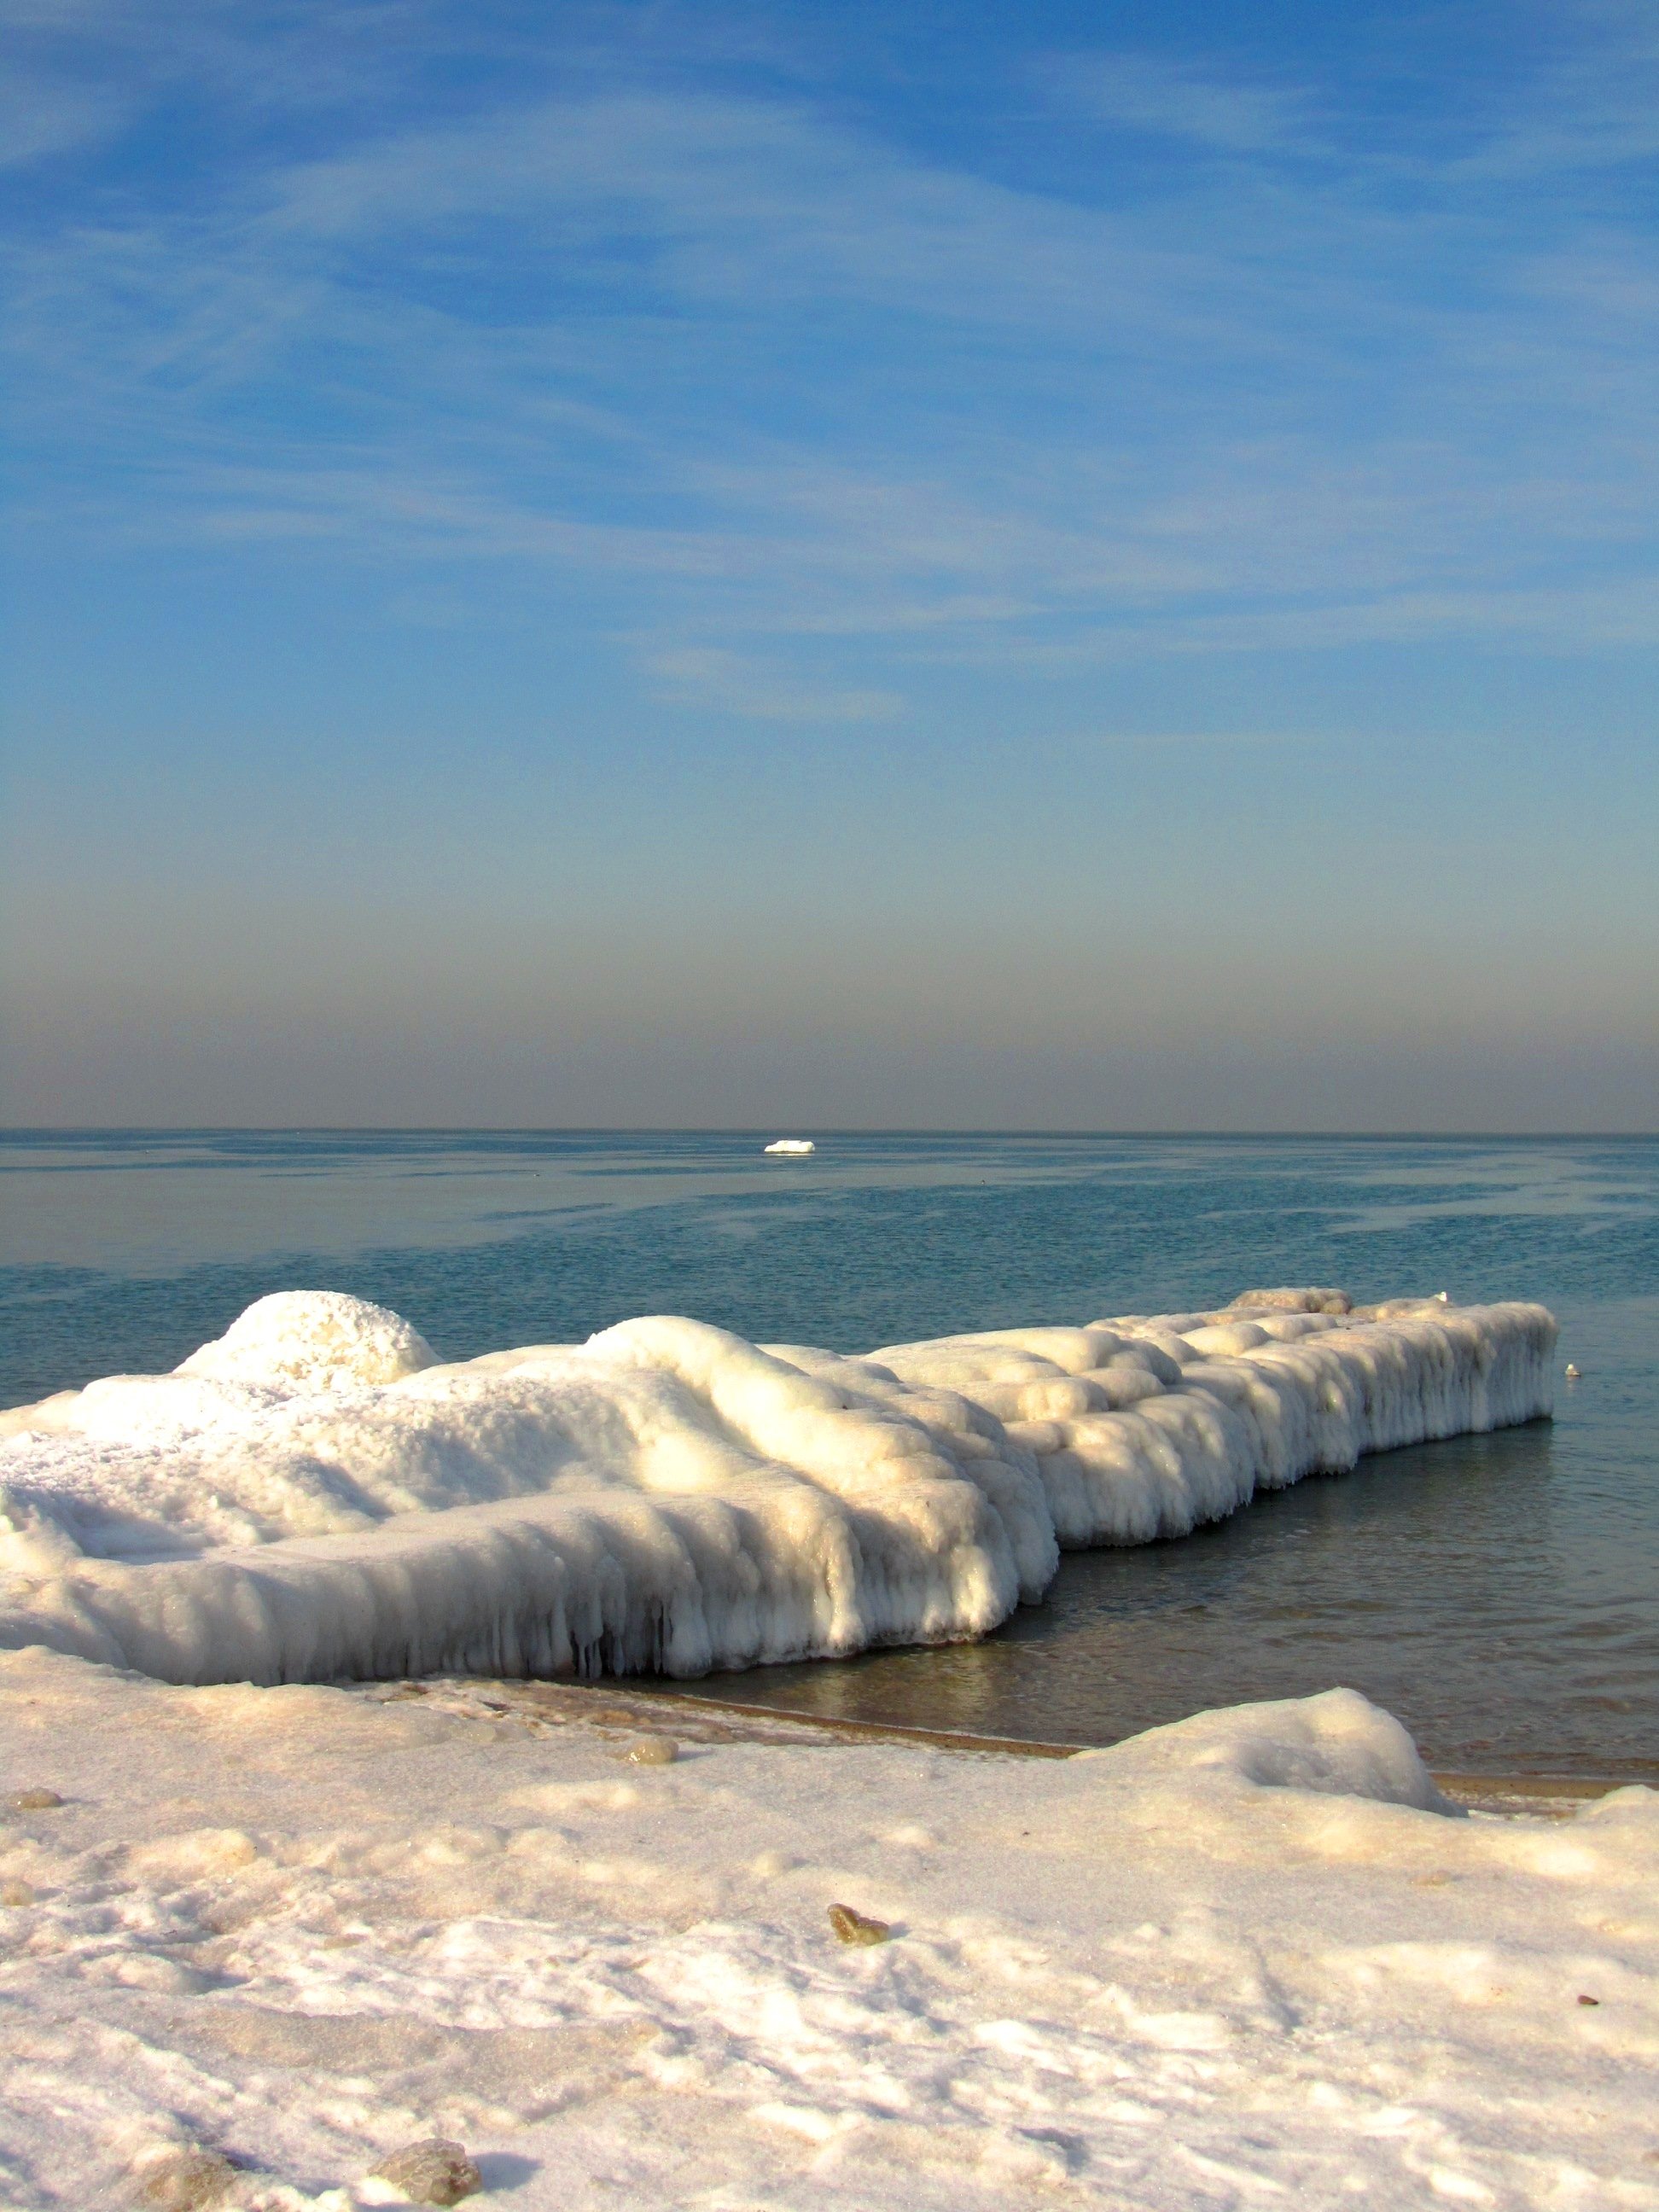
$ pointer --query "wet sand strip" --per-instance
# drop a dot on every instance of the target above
(663, 1710)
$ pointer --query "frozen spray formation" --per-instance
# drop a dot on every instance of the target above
(316, 1497)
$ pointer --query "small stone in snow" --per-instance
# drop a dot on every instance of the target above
(33, 1801)
(1589, 2001)
(858, 1927)
(435, 2172)
(652, 1750)
(187, 2181)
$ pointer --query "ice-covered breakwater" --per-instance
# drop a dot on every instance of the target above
(316, 1497)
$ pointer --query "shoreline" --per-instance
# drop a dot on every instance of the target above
(632, 1704)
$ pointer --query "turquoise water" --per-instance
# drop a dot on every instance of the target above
(1501, 1594)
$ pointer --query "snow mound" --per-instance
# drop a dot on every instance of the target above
(314, 1497)
(1311, 1301)
(1337, 1745)
(313, 1340)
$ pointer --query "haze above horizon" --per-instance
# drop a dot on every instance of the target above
(655, 567)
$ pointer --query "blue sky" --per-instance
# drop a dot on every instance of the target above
(1035, 566)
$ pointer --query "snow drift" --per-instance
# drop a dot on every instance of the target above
(316, 1497)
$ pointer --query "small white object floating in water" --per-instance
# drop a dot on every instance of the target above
(796, 1148)
(1573, 1373)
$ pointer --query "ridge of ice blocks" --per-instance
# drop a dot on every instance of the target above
(316, 1497)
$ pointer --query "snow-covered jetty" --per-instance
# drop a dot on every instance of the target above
(316, 1497)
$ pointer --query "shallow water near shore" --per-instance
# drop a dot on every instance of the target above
(1500, 1593)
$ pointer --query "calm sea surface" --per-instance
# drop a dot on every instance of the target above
(1500, 1593)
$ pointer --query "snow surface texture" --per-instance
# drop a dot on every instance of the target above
(1240, 1962)
(317, 1498)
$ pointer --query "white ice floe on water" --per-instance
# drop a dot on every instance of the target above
(795, 1148)
(315, 1496)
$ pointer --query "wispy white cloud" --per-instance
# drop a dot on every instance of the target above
(1174, 100)
(736, 683)
(755, 371)
(41, 119)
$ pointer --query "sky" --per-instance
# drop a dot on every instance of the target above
(824, 566)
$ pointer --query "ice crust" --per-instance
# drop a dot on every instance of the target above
(316, 1497)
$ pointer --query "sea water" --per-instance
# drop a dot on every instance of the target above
(1500, 1593)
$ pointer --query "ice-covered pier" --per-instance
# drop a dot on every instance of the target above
(316, 1497)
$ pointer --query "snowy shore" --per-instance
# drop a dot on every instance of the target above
(255, 1941)
(1253, 1959)
(316, 1497)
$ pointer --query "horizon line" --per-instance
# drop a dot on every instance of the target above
(761, 1130)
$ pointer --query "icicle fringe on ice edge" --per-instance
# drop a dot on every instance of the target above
(315, 1497)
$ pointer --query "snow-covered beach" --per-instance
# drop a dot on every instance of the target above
(1253, 1959)
(256, 1939)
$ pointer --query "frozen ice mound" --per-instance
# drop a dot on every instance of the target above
(316, 1497)
(1337, 1745)
(313, 1340)
(1292, 1301)
(1143, 1427)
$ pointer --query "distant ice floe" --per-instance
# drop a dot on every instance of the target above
(795, 1148)
(316, 1497)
